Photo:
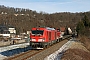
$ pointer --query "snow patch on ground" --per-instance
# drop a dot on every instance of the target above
(2, 57)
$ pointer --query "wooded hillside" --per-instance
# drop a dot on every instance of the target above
(25, 19)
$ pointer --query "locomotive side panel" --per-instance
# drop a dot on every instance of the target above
(53, 35)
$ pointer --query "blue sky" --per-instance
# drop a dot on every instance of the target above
(50, 6)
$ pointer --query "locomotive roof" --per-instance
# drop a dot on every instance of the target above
(48, 28)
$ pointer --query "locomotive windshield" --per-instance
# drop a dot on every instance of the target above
(36, 32)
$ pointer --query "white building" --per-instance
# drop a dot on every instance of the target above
(12, 30)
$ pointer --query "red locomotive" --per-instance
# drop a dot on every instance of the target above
(43, 36)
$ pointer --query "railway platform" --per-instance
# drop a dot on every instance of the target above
(10, 47)
(10, 50)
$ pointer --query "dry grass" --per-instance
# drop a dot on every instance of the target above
(76, 54)
(86, 41)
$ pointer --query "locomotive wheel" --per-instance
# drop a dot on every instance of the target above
(44, 46)
(49, 44)
(57, 40)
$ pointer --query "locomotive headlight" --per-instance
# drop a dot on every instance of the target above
(33, 40)
(43, 39)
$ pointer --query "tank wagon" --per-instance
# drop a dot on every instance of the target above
(41, 37)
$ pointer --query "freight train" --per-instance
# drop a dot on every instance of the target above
(41, 37)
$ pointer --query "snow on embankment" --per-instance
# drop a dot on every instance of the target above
(57, 54)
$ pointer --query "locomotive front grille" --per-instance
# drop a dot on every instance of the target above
(35, 44)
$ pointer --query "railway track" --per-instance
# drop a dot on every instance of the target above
(24, 56)
(29, 54)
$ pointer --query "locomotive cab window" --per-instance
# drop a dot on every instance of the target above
(36, 32)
